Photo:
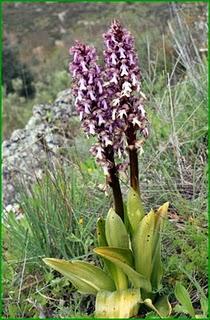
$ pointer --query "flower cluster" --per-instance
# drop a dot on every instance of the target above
(87, 86)
(105, 99)
(92, 100)
(123, 79)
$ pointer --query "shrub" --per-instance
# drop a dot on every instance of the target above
(13, 69)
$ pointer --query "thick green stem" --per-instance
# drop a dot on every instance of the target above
(115, 185)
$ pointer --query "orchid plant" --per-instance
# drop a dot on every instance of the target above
(110, 105)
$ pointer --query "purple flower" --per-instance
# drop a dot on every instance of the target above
(123, 79)
(88, 87)
(122, 53)
(92, 99)
(106, 99)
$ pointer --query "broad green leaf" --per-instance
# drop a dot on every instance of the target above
(160, 217)
(101, 236)
(124, 255)
(142, 244)
(162, 211)
(117, 236)
(108, 266)
(135, 209)
(84, 276)
(122, 259)
(183, 297)
(162, 307)
(126, 220)
(116, 233)
(119, 277)
(157, 269)
(118, 304)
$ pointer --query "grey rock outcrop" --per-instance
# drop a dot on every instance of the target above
(28, 150)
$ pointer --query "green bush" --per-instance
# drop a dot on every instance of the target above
(14, 69)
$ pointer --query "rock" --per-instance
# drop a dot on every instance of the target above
(17, 135)
(28, 150)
